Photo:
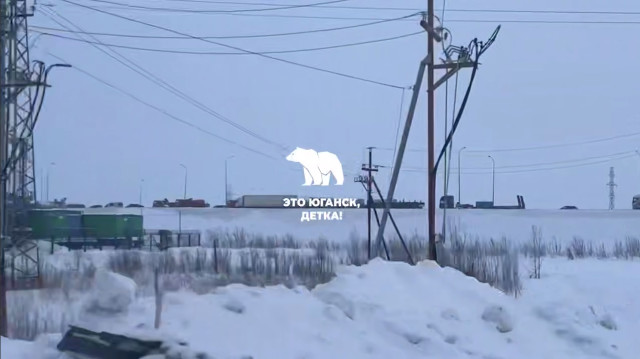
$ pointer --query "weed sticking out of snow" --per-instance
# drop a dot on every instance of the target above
(254, 260)
(395, 311)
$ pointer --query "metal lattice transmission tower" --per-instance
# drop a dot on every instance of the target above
(17, 116)
(612, 188)
(21, 179)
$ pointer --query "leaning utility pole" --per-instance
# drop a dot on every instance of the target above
(612, 189)
(451, 66)
(369, 169)
(370, 184)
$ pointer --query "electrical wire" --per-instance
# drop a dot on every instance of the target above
(285, 7)
(166, 86)
(453, 116)
(313, 31)
(162, 111)
(485, 21)
(395, 146)
(539, 169)
(501, 21)
(235, 47)
(188, 52)
(163, 84)
(529, 166)
(328, 5)
(606, 139)
(543, 147)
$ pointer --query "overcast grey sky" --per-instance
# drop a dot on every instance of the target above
(541, 84)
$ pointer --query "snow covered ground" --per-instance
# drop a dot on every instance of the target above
(583, 308)
(578, 309)
(592, 225)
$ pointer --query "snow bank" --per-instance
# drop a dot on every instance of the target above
(112, 293)
(15, 348)
(580, 309)
(392, 310)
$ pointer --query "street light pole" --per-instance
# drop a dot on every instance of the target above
(186, 173)
(226, 187)
(49, 170)
(638, 152)
(459, 182)
(45, 76)
(141, 183)
(493, 180)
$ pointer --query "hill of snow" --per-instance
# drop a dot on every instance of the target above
(579, 309)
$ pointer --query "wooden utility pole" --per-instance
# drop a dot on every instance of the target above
(369, 169)
(431, 199)
(371, 184)
(451, 67)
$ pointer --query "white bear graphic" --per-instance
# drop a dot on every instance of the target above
(318, 166)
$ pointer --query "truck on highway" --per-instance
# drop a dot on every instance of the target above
(263, 201)
(635, 203)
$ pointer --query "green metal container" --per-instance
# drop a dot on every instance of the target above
(46, 223)
(112, 225)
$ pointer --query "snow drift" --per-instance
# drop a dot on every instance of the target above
(393, 310)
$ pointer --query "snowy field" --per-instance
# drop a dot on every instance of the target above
(273, 290)
(590, 225)
(578, 309)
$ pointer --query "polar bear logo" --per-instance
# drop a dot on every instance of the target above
(318, 166)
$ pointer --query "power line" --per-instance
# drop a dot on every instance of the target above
(236, 48)
(594, 160)
(313, 31)
(163, 111)
(555, 162)
(166, 86)
(329, 5)
(489, 21)
(284, 7)
(606, 139)
(559, 145)
(187, 52)
(501, 21)
(486, 21)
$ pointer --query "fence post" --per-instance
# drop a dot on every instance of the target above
(215, 255)
(158, 295)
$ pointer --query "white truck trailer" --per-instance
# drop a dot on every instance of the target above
(263, 201)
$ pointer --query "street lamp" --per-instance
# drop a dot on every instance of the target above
(226, 187)
(49, 170)
(141, 183)
(186, 173)
(43, 77)
(493, 180)
(459, 170)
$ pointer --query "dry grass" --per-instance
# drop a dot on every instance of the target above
(239, 257)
